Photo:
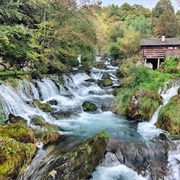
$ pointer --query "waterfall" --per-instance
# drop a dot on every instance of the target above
(14, 104)
(27, 90)
(47, 88)
(174, 164)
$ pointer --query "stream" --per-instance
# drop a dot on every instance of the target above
(80, 125)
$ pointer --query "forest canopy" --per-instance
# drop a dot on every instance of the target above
(48, 35)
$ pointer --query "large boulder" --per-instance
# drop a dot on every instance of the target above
(142, 105)
(44, 131)
(169, 117)
(145, 159)
(17, 149)
(17, 130)
(80, 163)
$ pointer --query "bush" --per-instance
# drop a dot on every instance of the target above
(170, 65)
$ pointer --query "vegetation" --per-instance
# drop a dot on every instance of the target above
(169, 117)
(143, 83)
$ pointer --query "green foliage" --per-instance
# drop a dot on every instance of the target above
(169, 65)
(121, 101)
(104, 134)
(138, 23)
(129, 44)
(114, 51)
(169, 116)
(162, 24)
(161, 7)
(140, 75)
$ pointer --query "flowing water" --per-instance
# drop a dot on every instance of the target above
(82, 125)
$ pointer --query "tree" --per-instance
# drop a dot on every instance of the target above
(139, 24)
(129, 44)
(161, 7)
(166, 25)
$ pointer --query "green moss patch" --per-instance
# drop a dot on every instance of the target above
(169, 116)
(80, 163)
(13, 156)
(18, 131)
(43, 106)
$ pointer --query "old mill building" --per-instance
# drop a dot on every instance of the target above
(155, 50)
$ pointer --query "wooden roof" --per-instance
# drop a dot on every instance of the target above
(158, 42)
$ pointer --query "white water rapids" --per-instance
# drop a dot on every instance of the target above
(75, 91)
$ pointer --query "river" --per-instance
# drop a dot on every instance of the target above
(82, 125)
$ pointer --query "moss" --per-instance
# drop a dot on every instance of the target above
(38, 121)
(79, 163)
(89, 106)
(13, 156)
(43, 106)
(169, 116)
(121, 101)
(18, 131)
(105, 82)
(147, 103)
(48, 133)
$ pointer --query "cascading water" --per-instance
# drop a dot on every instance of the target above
(83, 124)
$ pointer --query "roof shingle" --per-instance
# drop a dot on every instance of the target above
(158, 42)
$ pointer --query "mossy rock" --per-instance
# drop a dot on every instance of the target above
(142, 104)
(169, 116)
(44, 131)
(43, 106)
(14, 157)
(105, 82)
(89, 106)
(99, 65)
(80, 163)
(18, 131)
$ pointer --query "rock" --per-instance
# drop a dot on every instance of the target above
(89, 106)
(169, 117)
(13, 157)
(139, 157)
(44, 131)
(17, 147)
(18, 131)
(53, 102)
(80, 163)
(14, 119)
(105, 82)
(69, 113)
(142, 105)
(43, 106)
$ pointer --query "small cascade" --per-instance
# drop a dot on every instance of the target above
(27, 90)
(110, 160)
(14, 104)
(120, 172)
(174, 165)
(96, 75)
(47, 88)
(148, 130)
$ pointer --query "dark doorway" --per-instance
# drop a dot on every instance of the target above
(154, 62)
